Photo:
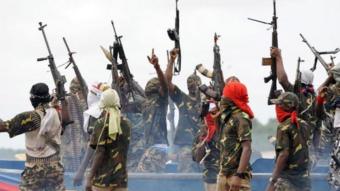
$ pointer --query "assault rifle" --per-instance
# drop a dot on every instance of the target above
(297, 85)
(59, 80)
(114, 72)
(318, 54)
(271, 61)
(217, 79)
(174, 36)
(82, 82)
(118, 50)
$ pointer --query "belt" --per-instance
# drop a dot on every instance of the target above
(45, 160)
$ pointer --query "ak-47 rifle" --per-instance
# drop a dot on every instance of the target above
(174, 36)
(82, 82)
(271, 61)
(297, 85)
(59, 80)
(318, 54)
(216, 76)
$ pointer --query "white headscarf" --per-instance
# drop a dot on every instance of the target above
(93, 98)
(110, 102)
(307, 77)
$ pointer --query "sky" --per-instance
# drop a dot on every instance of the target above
(86, 25)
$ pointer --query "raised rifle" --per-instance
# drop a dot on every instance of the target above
(174, 36)
(217, 79)
(82, 82)
(114, 72)
(271, 61)
(58, 79)
(318, 54)
(297, 85)
(118, 50)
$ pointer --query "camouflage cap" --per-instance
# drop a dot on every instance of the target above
(75, 85)
(194, 79)
(287, 100)
(152, 87)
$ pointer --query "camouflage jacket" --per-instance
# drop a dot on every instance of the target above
(154, 117)
(295, 140)
(154, 159)
(235, 128)
(137, 145)
(112, 173)
(307, 110)
(188, 123)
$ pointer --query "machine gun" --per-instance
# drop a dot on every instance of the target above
(271, 61)
(318, 54)
(82, 82)
(59, 80)
(174, 36)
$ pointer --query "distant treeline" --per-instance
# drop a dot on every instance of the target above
(261, 132)
(9, 154)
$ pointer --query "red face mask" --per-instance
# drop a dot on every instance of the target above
(282, 115)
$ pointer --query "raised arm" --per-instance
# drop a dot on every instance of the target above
(169, 69)
(154, 61)
(280, 70)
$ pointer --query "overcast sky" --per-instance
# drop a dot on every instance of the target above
(86, 26)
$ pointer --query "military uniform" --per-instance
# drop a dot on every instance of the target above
(154, 114)
(307, 112)
(153, 160)
(188, 126)
(51, 172)
(330, 107)
(235, 129)
(295, 175)
(112, 173)
(137, 144)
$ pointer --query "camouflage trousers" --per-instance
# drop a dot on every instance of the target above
(153, 160)
(43, 177)
(223, 183)
(185, 161)
(286, 185)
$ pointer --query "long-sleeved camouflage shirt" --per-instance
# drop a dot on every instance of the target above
(188, 123)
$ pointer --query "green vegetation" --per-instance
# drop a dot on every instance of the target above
(9, 154)
(261, 132)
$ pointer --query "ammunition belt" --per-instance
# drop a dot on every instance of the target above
(45, 160)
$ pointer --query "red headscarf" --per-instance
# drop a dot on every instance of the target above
(282, 115)
(237, 92)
